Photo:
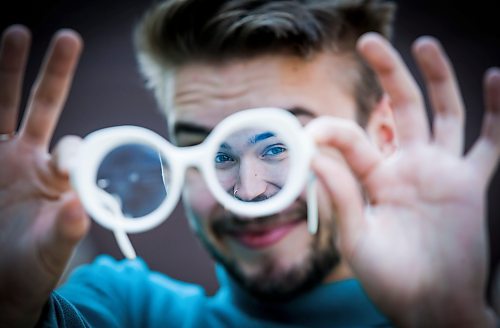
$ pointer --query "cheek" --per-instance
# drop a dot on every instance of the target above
(227, 178)
(277, 173)
(197, 197)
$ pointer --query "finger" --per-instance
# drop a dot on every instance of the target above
(444, 94)
(51, 88)
(64, 156)
(406, 99)
(71, 225)
(350, 139)
(343, 192)
(13, 55)
(486, 150)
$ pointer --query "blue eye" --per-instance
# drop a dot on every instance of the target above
(274, 150)
(222, 158)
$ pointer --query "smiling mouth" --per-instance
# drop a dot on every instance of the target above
(261, 232)
(265, 237)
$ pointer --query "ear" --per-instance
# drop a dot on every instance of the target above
(381, 127)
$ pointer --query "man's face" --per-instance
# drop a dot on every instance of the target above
(274, 256)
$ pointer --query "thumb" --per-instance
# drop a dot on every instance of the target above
(70, 226)
(345, 194)
(344, 179)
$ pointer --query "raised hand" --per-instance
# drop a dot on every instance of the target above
(416, 235)
(41, 220)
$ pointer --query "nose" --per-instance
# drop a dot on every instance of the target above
(251, 185)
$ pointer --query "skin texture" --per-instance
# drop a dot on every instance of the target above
(421, 237)
(426, 187)
(41, 219)
(207, 93)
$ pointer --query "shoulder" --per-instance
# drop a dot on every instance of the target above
(129, 291)
(108, 271)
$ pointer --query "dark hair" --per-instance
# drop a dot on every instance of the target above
(175, 32)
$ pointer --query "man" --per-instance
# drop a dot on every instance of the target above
(401, 209)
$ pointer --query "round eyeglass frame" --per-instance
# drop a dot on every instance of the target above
(97, 145)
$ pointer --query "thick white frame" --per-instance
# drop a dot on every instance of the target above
(101, 142)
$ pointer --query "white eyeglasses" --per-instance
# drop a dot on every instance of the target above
(255, 162)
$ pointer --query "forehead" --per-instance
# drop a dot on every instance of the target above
(206, 93)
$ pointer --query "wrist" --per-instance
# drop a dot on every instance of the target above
(15, 316)
(21, 306)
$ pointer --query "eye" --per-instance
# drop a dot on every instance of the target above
(223, 160)
(274, 151)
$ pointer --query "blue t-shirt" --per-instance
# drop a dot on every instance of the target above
(110, 293)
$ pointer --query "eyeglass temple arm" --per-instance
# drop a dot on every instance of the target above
(121, 237)
(312, 205)
(124, 244)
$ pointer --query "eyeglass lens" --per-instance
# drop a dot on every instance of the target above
(252, 164)
(137, 177)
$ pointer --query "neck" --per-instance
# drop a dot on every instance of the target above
(343, 303)
(341, 272)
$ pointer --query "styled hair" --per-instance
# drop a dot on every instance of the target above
(178, 32)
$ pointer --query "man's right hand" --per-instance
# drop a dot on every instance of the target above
(41, 219)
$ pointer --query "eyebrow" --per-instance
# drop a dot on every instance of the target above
(203, 131)
(191, 128)
(259, 137)
(252, 140)
(298, 111)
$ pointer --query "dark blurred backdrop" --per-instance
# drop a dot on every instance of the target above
(108, 91)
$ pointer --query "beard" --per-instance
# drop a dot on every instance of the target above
(272, 283)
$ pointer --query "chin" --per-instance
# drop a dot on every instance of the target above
(283, 271)
(278, 282)
(274, 270)
(272, 264)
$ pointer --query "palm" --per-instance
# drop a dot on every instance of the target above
(416, 239)
(40, 218)
(427, 214)
(31, 194)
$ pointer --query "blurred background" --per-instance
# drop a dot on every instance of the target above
(108, 91)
